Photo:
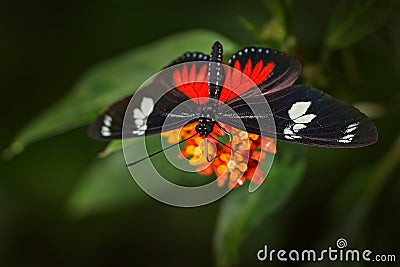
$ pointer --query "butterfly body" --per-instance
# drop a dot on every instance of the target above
(215, 71)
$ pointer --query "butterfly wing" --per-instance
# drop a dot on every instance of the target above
(269, 69)
(142, 117)
(146, 115)
(307, 116)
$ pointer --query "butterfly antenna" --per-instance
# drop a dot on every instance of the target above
(158, 152)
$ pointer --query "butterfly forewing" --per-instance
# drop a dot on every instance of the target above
(308, 116)
(146, 115)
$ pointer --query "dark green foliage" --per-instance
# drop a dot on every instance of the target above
(63, 206)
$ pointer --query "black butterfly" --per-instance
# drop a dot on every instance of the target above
(302, 114)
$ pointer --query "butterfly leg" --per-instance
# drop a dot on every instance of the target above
(207, 154)
(226, 132)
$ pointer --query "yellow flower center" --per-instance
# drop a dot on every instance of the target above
(253, 136)
(243, 135)
(242, 167)
(224, 157)
(221, 169)
(231, 164)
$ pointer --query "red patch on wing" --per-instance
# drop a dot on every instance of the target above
(193, 83)
(236, 84)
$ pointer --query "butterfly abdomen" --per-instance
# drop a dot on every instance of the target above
(215, 75)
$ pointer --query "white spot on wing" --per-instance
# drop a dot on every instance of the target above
(107, 120)
(344, 141)
(141, 114)
(298, 127)
(349, 130)
(139, 121)
(351, 127)
(138, 114)
(348, 133)
(305, 118)
(298, 109)
(348, 137)
(138, 132)
(297, 113)
(287, 130)
(147, 105)
(105, 131)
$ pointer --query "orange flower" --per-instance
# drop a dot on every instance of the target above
(233, 163)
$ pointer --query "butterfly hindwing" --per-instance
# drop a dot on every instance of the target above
(146, 114)
(142, 117)
(308, 116)
(108, 125)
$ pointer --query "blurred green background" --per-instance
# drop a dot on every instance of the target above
(62, 206)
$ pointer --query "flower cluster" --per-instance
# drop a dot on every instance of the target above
(232, 162)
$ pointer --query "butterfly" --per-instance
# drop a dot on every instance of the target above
(301, 114)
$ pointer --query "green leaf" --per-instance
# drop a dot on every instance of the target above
(277, 9)
(110, 81)
(354, 201)
(112, 147)
(241, 211)
(353, 20)
(106, 185)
